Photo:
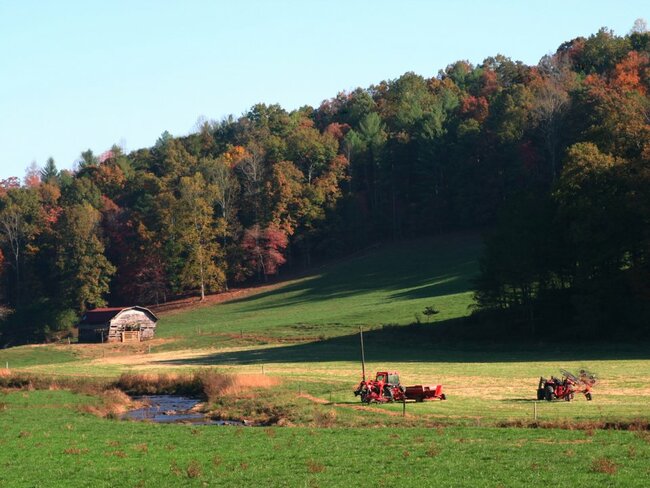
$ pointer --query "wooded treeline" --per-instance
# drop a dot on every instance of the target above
(553, 157)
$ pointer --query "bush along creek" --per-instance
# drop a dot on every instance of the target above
(194, 398)
(184, 398)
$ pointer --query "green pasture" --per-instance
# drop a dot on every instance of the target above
(305, 333)
(47, 442)
(485, 384)
(26, 356)
(389, 285)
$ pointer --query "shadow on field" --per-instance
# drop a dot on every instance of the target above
(435, 267)
(416, 343)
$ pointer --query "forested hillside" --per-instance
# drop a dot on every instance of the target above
(552, 159)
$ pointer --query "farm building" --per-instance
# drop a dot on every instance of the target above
(129, 324)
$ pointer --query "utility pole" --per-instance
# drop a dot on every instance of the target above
(363, 356)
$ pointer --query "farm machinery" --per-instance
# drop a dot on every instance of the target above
(386, 387)
(567, 386)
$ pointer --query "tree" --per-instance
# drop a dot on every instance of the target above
(285, 191)
(591, 201)
(640, 26)
(49, 173)
(20, 223)
(197, 234)
(373, 135)
(601, 52)
(251, 167)
(220, 174)
(614, 108)
(310, 150)
(550, 105)
(84, 271)
(516, 266)
(263, 250)
(87, 160)
(32, 175)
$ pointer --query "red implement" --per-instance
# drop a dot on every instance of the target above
(386, 387)
(421, 393)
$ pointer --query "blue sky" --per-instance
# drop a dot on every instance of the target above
(81, 74)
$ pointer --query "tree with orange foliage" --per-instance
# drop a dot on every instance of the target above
(32, 175)
(617, 107)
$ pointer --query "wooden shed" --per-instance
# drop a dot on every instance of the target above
(125, 324)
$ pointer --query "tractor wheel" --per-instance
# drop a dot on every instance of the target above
(540, 393)
(569, 397)
(588, 396)
(548, 393)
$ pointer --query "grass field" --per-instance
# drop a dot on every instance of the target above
(390, 285)
(47, 442)
(304, 333)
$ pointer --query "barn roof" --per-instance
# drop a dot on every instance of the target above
(104, 315)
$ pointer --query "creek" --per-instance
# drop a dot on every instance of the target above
(169, 409)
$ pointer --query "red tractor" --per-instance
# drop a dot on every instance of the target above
(566, 387)
(386, 387)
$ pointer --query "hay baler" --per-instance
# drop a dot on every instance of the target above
(386, 387)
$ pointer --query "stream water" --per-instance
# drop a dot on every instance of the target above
(167, 409)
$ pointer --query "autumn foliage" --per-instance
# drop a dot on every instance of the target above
(263, 250)
(552, 158)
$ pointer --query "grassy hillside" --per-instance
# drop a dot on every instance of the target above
(389, 285)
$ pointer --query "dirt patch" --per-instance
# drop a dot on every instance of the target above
(314, 399)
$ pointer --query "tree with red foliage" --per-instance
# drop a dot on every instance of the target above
(475, 107)
(263, 250)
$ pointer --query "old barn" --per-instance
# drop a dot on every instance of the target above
(129, 324)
